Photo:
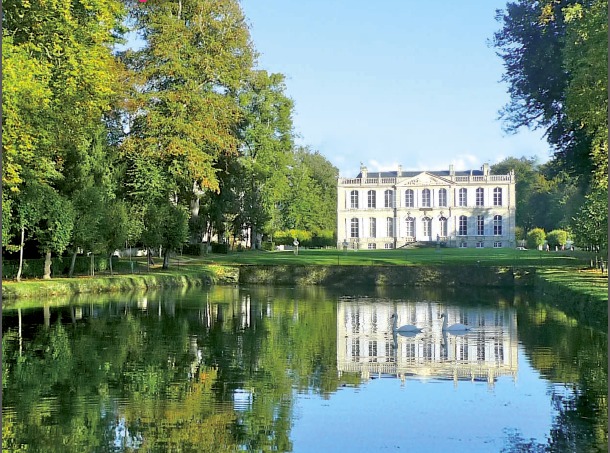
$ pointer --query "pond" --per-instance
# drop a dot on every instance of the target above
(228, 369)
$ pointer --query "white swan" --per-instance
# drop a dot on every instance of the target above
(454, 327)
(407, 328)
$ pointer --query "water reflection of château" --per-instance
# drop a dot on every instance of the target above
(366, 343)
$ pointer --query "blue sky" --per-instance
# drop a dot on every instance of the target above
(411, 83)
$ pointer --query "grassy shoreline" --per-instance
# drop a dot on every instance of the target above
(564, 271)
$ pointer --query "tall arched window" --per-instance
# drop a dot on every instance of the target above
(480, 225)
(409, 199)
(354, 199)
(427, 224)
(498, 196)
(390, 226)
(372, 199)
(442, 197)
(497, 225)
(425, 198)
(410, 227)
(388, 197)
(479, 197)
(462, 200)
(354, 230)
(443, 228)
(373, 227)
(463, 226)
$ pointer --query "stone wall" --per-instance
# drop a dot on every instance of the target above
(386, 275)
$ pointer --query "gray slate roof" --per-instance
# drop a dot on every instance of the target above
(410, 174)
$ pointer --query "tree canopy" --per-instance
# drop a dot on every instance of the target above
(184, 138)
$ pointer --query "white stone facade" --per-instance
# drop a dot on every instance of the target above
(386, 210)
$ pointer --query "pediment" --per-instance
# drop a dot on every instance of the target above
(424, 179)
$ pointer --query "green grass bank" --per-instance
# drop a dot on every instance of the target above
(561, 277)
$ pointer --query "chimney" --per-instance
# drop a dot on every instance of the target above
(485, 169)
(451, 171)
(363, 171)
(399, 171)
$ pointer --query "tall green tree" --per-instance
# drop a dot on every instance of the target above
(555, 58)
(586, 60)
(60, 79)
(310, 202)
(531, 44)
(185, 115)
(266, 151)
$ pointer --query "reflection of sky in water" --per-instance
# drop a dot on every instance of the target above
(424, 415)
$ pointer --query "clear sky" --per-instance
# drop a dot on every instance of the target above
(394, 82)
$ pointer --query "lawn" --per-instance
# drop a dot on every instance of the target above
(404, 257)
(568, 268)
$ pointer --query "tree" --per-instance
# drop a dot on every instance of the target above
(184, 115)
(535, 238)
(555, 56)
(310, 201)
(557, 238)
(590, 225)
(48, 217)
(526, 176)
(532, 43)
(585, 58)
(60, 77)
(267, 142)
(114, 228)
(165, 225)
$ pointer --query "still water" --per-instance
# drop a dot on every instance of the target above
(305, 370)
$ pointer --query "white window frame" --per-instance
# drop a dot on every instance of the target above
(409, 198)
(354, 231)
(372, 199)
(426, 200)
(480, 225)
(462, 225)
(462, 197)
(497, 225)
(354, 199)
(442, 198)
(388, 198)
(372, 227)
(498, 196)
(480, 197)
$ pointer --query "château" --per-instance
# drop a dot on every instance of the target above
(393, 209)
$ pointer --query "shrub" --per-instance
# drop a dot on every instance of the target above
(193, 249)
(519, 233)
(557, 238)
(219, 248)
(535, 238)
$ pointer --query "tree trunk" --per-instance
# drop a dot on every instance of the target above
(47, 265)
(20, 269)
(253, 237)
(72, 263)
(166, 258)
(46, 311)
(110, 263)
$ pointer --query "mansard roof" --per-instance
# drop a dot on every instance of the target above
(411, 174)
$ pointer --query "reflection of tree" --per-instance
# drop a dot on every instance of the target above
(164, 375)
(576, 357)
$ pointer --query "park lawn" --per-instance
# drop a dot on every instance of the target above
(588, 282)
(565, 268)
(403, 257)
